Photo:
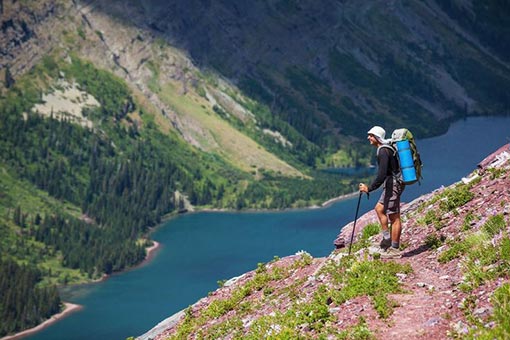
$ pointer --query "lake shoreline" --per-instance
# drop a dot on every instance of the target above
(339, 198)
(69, 309)
(324, 204)
(151, 252)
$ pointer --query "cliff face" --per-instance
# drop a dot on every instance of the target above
(451, 281)
(26, 32)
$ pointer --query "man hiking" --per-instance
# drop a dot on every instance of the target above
(388, 206)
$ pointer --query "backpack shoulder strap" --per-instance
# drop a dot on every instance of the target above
(387, 146)
(394, 153)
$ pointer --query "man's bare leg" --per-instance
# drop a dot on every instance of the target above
(383, 220)
(396, 229)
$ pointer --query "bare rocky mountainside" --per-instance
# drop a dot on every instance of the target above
(451, 282)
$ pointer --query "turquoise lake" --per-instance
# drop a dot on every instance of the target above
(197, 250)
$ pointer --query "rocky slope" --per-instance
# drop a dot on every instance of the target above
(410, 62)
(453, 278)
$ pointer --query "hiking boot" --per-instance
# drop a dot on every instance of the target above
(391, 253)
(385, 243)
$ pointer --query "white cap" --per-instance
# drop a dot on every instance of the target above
(378, 132)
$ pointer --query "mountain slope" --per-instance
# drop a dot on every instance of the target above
(332, 68)
(452, 281)
(324, 71)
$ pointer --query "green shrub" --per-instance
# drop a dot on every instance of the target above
(457, 248)
(316, 312)
(432, 241)
(500, 317)
(466, 225)
(455, 197)
(304, 260)
(505, 249)
(375, 279)
(494, 225)
(483, 258)
(81, 33)
(501, 313)
(358, 332)
(496, 172)
(479, 264)
(431, 218)
(201, 92)
(370, 230)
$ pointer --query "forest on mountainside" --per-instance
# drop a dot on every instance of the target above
(24, 304)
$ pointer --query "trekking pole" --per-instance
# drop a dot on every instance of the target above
(355, 219)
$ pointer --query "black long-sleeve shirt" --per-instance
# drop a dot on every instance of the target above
(387, 165)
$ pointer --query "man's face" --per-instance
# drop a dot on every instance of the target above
(371, 138)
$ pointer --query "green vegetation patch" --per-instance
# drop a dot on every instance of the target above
(432, 217)
(368, 231)
(455, 197)
(499, 321)
(300, 319)
(434, 241)
(260, 282)
(494, 225)
(460, 247)
(484, 256)
(497, 172)
(375, 279)
(501, 313)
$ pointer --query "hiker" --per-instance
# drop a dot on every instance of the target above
(388, 206)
